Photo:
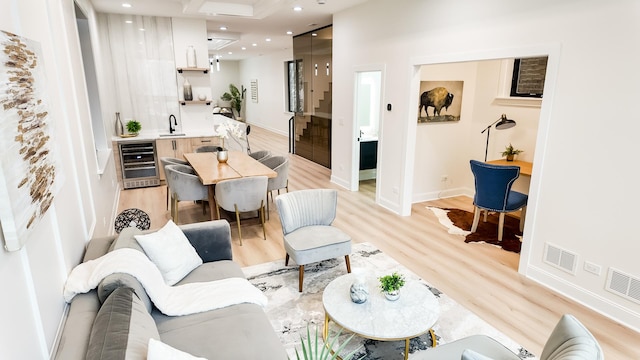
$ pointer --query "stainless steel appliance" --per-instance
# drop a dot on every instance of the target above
(138, 163)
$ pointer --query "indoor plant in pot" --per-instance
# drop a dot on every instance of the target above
(391, 284)
(510, 152)
(133, 127)
(234, 97)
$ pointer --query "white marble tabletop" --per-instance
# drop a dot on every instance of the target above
(413, 314)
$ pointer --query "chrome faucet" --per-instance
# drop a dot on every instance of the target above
(175, 122)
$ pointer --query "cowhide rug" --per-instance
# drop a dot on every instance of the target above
(459, 222)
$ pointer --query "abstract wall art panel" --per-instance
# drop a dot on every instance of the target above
(28, 171)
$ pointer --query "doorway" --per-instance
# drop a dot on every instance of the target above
(367, 113)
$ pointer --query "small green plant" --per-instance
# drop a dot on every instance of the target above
(133, 126)
(316, 350)
(393, 282)
(510, 151)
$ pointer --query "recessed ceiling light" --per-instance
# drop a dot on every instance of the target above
(254, 44)
(129, 21)
(314, 34)
(141, 29)
(126, 5)
(289, 32)
(267, 39)
(244, 48)
(230, 53)
(297, 8)
(223, 28)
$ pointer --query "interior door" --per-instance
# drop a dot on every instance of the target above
(367, 113)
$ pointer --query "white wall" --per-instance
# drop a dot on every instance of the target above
(582, 196)
(33, 277)
(270, 112)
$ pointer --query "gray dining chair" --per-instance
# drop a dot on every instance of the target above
(164, 161)
(260, 155)
(185, 185)
(309, 236)
(242, 195)
(280, 165)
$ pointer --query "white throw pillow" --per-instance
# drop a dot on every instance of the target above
(161, 351)
(171, 251)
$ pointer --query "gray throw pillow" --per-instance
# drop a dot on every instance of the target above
(122, 328)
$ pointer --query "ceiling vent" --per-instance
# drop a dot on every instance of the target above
(217, 41)
(560, 258)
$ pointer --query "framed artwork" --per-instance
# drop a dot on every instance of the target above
(28, 164)
(439, 101)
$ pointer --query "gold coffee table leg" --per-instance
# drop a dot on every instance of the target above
(325, 330)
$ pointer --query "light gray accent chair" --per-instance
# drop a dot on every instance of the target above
(184, 185)
(242, 195)
(260, 155)
(309, 236)
(279, 164)
(164, 161)
(569, 340)
(208, 148)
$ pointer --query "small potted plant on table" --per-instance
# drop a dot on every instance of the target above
(510, 152)
(391, 284)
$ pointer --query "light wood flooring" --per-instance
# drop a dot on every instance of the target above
(481, 277)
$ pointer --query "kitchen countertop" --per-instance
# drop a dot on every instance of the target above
(157, 134)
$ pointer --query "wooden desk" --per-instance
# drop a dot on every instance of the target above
(525, 166)
(211, 172)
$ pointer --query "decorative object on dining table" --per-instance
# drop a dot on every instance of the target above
(191, 57)
(510, 153)
(502, 123)
(133, 128)
(222, 156)
(391, 284)
(186, 87)
(228, 130)
(119, 126)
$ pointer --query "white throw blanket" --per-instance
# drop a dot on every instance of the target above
(171, 300)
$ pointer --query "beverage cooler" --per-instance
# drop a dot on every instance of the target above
(139, 165)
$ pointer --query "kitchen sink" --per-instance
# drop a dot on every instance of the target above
(174, 134)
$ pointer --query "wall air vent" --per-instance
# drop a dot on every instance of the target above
(560, 258)
(624, 285)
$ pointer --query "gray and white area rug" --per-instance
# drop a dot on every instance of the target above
(290, 311)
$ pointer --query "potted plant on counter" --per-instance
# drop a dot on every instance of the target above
(510, 152)
(133, 128)
(391, 284)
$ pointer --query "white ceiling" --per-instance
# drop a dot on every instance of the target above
(248, 21)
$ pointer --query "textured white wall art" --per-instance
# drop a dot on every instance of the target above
(28, 171)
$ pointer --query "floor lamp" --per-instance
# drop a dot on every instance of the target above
(502, 123)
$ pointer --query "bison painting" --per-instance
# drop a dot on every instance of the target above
(437, 98)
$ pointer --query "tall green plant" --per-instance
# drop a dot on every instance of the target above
(310, 350)
(234, 96)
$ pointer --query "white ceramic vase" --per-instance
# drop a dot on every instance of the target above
(191, 57)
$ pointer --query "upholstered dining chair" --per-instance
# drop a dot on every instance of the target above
(242, 195)
(309, 236)
(493, 193)
(184, 185)
(208, 148)
(280, 165)
(260, 155)
(164, 161)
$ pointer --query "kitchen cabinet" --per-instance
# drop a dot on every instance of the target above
(172, 148)
(204, 141)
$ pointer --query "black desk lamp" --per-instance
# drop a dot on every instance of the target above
(502, 123)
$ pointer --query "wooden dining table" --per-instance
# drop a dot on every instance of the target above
(211, 172)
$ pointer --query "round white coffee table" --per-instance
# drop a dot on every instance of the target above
(413, 314)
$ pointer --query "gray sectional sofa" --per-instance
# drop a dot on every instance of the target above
(116, 320)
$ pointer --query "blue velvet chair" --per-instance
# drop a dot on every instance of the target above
(493, 193)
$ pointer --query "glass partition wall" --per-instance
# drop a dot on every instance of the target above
(312, 54)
